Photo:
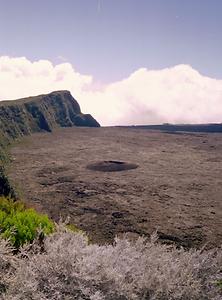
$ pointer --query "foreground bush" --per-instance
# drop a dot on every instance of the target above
(20, 225)
(70, 268)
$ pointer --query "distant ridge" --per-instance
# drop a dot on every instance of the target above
(211, 128)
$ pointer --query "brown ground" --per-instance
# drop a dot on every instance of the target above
(176, 190)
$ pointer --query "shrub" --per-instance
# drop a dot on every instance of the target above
(5, 188)
(70, 268)
(20, 225)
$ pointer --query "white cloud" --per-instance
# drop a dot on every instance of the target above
(20, 78)
(175, 95)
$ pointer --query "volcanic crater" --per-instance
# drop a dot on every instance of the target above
(111, 166)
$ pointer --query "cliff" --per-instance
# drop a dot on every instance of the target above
(41, 113)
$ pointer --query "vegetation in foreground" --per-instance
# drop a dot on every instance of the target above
(68, 267)
(64, 265)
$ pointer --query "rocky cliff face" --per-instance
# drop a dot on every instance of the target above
(41, 113)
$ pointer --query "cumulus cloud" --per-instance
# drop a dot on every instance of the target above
(175, 95)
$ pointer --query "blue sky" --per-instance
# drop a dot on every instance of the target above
(110, 39)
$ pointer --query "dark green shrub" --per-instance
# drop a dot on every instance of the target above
(5, 187)
(19, 224)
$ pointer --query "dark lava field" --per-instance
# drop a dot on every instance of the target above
(116, 181)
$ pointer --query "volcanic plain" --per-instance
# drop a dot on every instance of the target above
(173, 184)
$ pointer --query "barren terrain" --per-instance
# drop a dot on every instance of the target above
(176, 188)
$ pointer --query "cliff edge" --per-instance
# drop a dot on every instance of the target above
(41, 113)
